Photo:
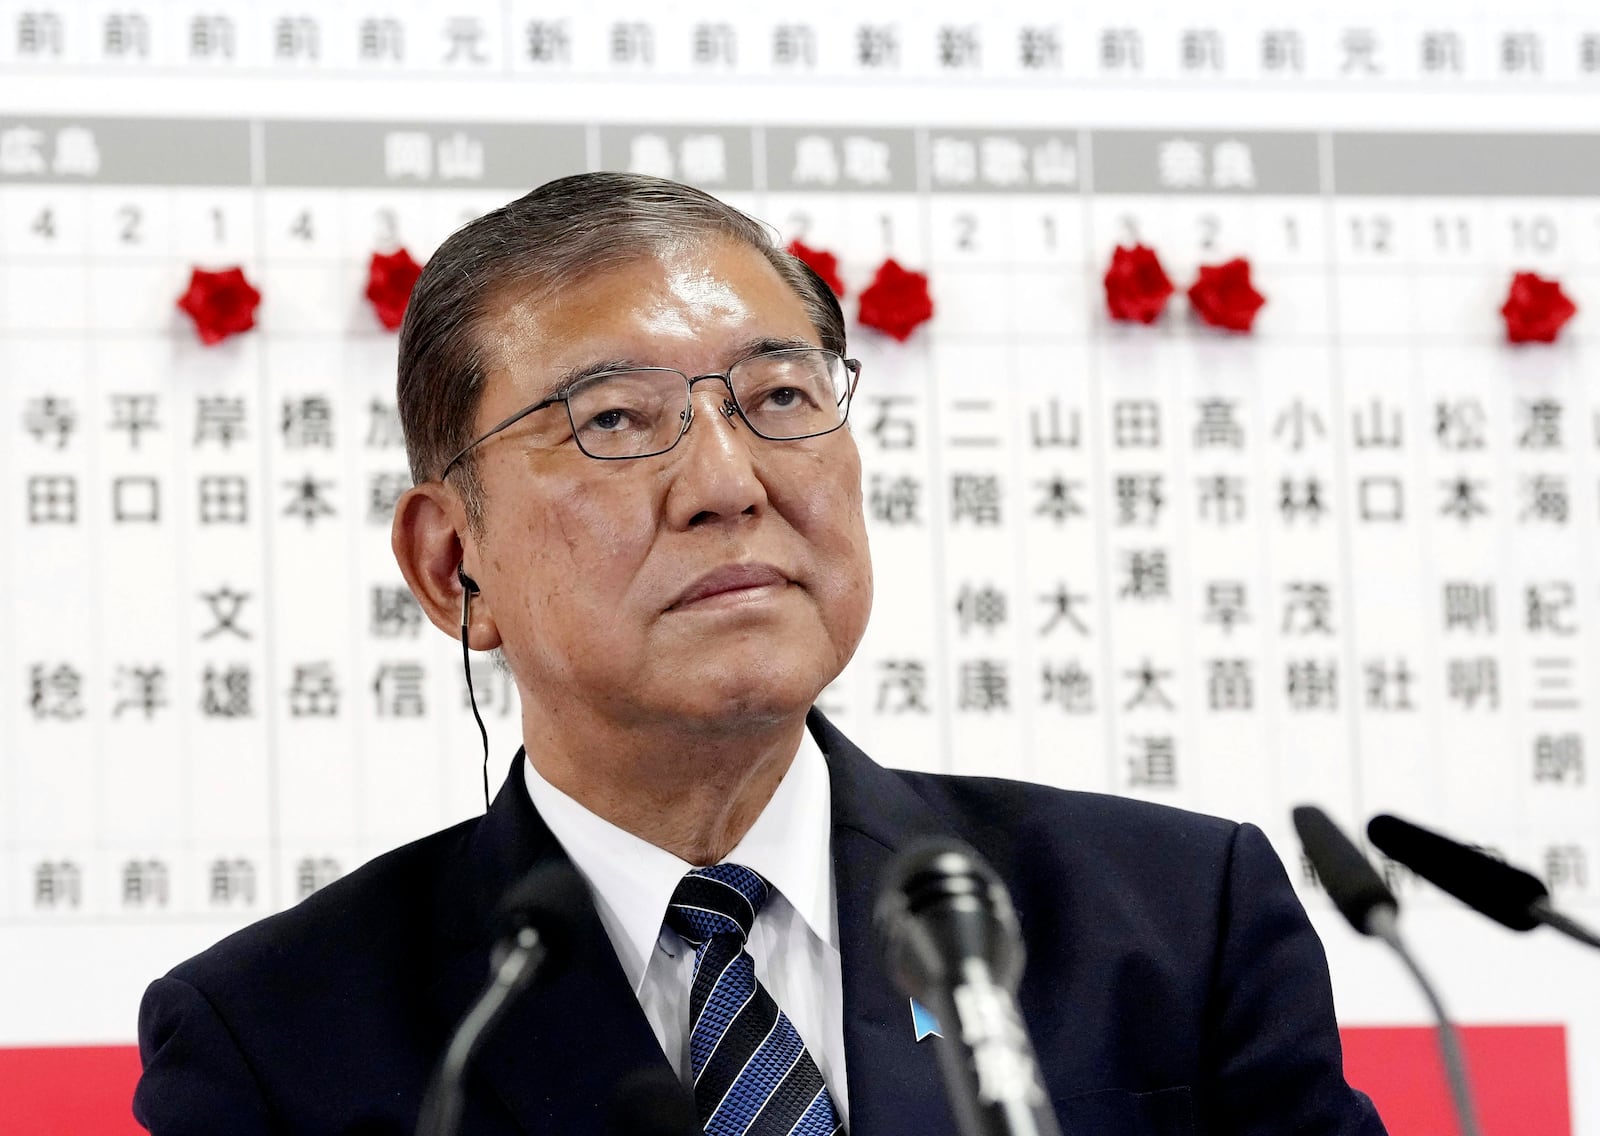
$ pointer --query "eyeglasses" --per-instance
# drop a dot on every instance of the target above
(782, 396)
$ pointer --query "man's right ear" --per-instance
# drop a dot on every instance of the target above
(431, 543)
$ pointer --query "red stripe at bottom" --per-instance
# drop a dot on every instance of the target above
(69, 1090)
(1519, 1081)
(1518, 1076)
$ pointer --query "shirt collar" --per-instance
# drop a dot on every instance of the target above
(791, 845)
(632, 880)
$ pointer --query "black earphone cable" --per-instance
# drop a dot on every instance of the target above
(466, 669)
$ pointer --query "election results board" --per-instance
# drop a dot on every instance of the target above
(1347, 556)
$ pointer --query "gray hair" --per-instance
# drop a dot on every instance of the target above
(557, 235)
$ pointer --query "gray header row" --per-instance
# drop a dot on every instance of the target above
(117, 151)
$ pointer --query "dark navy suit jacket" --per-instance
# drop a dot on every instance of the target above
(1173, 983)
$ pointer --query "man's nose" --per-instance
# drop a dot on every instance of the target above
(716, 474)
(710, 398)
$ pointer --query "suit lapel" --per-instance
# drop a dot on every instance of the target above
(556, 1058)
(894, 1080)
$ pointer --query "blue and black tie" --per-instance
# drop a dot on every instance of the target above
(752, 1074)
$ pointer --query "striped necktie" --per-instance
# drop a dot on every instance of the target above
(752, 1074)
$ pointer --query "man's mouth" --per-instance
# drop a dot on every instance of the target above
(730, 580)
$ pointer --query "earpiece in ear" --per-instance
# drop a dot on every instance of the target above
(468, 584)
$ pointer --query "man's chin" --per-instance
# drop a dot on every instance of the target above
(742, 703)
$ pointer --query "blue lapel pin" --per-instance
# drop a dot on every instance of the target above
(923, 1022)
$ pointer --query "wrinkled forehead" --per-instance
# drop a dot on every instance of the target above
(677, 306)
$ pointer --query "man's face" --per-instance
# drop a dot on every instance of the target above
(720, 585)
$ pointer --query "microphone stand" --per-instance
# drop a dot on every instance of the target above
(1541, 910)
(989, 1054)
(1371, 908)
(513, 969)
(1384, 923)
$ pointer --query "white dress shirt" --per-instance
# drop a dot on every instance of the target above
(795, 941)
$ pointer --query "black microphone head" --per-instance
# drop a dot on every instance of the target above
(1347, 876)
(652, 1102)
(939, 904)
(552, 899)
(1490, 886)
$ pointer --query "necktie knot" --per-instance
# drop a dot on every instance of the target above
(720, 900)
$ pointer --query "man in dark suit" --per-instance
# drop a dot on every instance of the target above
(625, 415)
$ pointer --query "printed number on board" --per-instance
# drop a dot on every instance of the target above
(966, 226)
(130, 225)
(1452, 234)
(1372, 234)
(1534, 234)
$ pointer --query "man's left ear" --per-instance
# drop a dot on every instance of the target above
(428, 542)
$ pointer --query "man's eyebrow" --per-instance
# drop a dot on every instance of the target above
(766, 344)
(574, 377)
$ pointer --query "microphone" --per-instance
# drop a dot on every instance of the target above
(1371, 908)
(1511, 897)
(950, 939)
(536, 924)
(1350, 881)
(652, 1102)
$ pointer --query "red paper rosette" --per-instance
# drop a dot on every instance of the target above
(824, 264)
(1136, 285)
(1535, 309)
(220, 303)
(390, 278)
(1223, 296)
(897, 301)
